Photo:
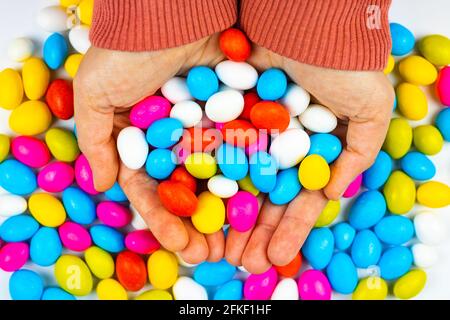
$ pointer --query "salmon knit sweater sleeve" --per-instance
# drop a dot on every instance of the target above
(338, 34)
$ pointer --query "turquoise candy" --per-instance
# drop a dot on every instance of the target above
(395, 230)
(367, 210)
(418, 166)
(342, 273)
(55, 51)
(214, 273)
(107, 238)
(366, 249)
(232, 162)
(17, 178)
(272, 84)
(45, 247)
(326, 145)
(263, 171)
(232, 290)
(116, 193)
(343, 235)
(18, 228)
(443, 123)
(54, 293)
(202, 82)
(395, 262)
(79, 205)
(287, 187)
(403, 40)
(318, 248)
(160, 163)
(376, 176)
(164, 133)
(25, 285)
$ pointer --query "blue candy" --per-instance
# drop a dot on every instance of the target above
(342, 273)
(366, 249)
(367, 210)
(25, 285)
(395, 262)
(45, 247)
(202, 82)
(214, 273)
(272, 84)
(116, 193)
(18, 228)
(318, 248)
(164, 133)
(54, 293)
(232, 162)
(376, 176)
(402, 39)
(231, 290)
(17, 178)
(443, 123)
(263, 171)
(287, 188)
(160, 163)
(395, 230)
(325, 145)
(107, 238)
(418, 166)
(55, 51)
(343, 235)
(395, 104)
(79, 205)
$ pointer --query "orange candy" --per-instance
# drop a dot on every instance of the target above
(271, 116)
(235, 45)
(177, 198)
(201, 139)
(292, 268)
(250, 99)
(181, 175)
(131, 271)
(239, 133)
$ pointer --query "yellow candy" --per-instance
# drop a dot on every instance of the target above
(201, 165)
(162, 269)
(371, 288)
(72, 64)
(398, 139)
(62, 144)
(110, 289)
(417, 70)
(390, 65)
(433, 194)
(246, 184)
(209, 216)
(11, 89)
(314, 172)
(73, 275)
(436, 48)
(410, 285)
(427, 139)
(329, 214)
(4, 146)
(100, 262)
(47, 209)
(154, 295)
(400, 193)
(412, 102)
(30, 118)
(85, 10)
(35, 76)
(69, 3)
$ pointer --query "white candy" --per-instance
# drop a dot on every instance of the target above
(224, 87)
(294, 123)
(20, 49)
(52, 19)
(424, 256)
(79, 39)
(183, 263)
(12, 205)
(296, 99)
(286, 289)
(188, 112)
(290, 147)
(187, 289)
(132, 147)
(237, 75)
(224, 106)
(222, 187)
(430, 229)
(318, 118)
(176, 90)
(137, 222)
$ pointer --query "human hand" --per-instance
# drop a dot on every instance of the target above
(363, 103)
(107, 85)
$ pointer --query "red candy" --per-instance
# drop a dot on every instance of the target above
(271, 116)
(177, 198)
(291, 269)
(131, 271)
(59, 98)
(201, 139)
(239, 133)
(181, 175)
(235, 45)
(250, 99)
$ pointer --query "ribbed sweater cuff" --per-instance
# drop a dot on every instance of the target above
(145, 25)
(338, 34)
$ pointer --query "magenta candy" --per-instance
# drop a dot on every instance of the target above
(181, 153)
(259, 145)
(242, 211)
(314, 285)
(141, 242)
(13, 256)
(353, 187)
(56, 177)
(74, 237)
(261, 286)
(443, 86)
(147, 111)
(30, 151)
(113, 214)
(83, 175)
(219, 126)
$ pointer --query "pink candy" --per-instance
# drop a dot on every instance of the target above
(242, 211)
(30, 151)
(13, 256)
(74, 237)
(181, 153)
(113, 214)
(259, 145)
(443, 86)
(141, 242)
(56, 177)
(314, 285)
(153, 108)
(261, 286)
(83, 175)
(353, 187)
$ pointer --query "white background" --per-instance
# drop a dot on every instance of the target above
(17, 18)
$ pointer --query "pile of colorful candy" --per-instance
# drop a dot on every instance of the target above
(214, 126)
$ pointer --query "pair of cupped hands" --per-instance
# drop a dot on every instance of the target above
(109, 83)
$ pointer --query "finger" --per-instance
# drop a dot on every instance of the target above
(141, 191)
(197, 249)
(297, 222)
(216, 246)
